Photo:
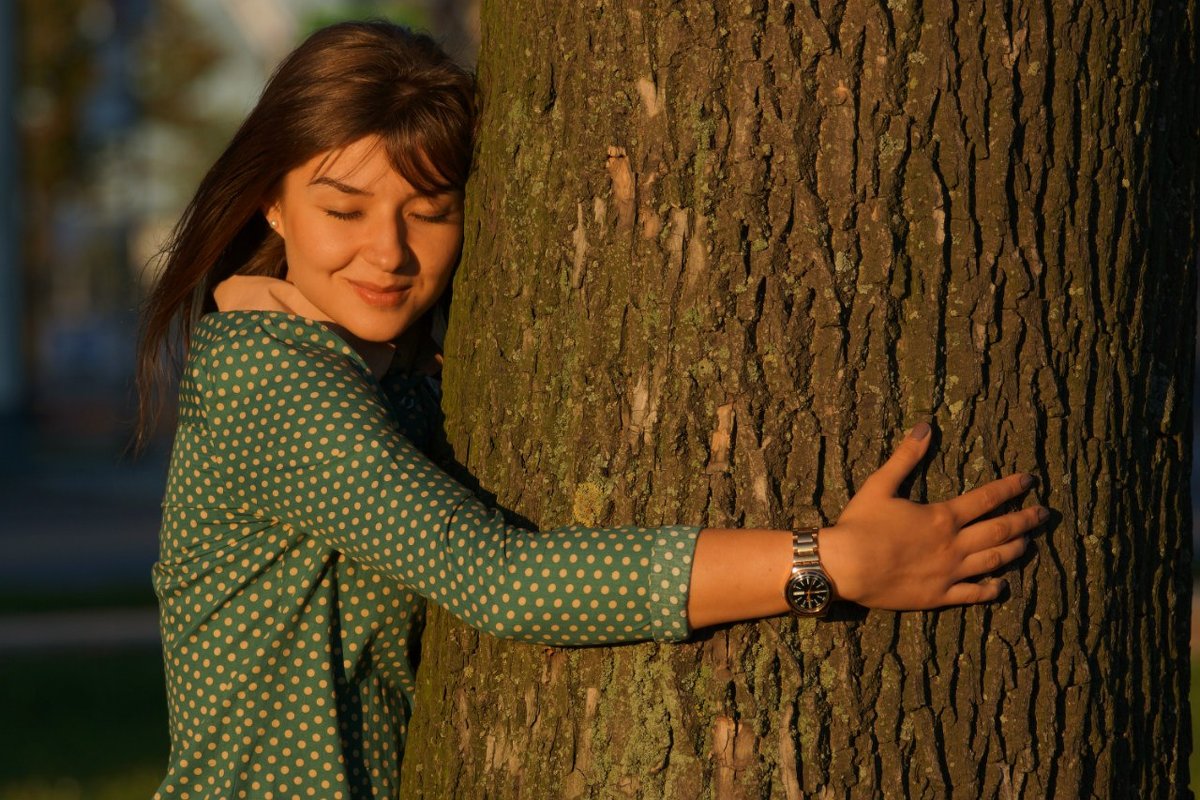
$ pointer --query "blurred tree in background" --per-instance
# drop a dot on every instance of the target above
(101, 85)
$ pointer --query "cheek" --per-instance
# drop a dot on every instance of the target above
(313, 247)
(439, 251)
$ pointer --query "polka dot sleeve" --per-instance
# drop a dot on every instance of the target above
(305, 437)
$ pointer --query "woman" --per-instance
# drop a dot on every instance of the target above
(303, 527)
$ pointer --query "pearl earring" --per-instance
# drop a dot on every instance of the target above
(274, 224)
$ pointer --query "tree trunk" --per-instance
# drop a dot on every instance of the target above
(720, 256)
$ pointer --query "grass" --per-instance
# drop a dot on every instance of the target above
(118, 596)
(1194, 698)
(82, 725)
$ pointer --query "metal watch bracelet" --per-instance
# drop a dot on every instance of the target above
(809, 591)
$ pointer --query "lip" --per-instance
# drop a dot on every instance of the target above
(380, 296)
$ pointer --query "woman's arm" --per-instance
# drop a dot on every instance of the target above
(884, 551)
(297, 435)
(738, 574)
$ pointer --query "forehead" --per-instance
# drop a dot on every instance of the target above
(368, 165)
(361, 163)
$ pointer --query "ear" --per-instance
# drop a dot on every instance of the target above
(271, 212)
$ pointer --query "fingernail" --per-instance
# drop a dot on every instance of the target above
(1027, 481)
(1043, 514)
(919, 431)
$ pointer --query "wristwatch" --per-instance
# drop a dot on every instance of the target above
(809, 592)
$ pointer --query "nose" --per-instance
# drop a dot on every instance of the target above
(387, 245)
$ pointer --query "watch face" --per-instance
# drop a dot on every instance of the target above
(809, 592)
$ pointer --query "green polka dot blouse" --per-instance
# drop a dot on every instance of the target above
(303, 530)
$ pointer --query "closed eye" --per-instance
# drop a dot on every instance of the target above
(343, 214)
(442, 217)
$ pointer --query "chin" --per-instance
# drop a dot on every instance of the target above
(377, 334)
(378, 331)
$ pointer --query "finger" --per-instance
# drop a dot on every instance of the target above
(908, 454)
(968, 592)
(997, 531)
(991, 559)
(980, 500)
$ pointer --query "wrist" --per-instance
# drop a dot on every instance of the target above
(835, 548)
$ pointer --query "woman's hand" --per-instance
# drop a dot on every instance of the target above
(891, 553)
(884, 551)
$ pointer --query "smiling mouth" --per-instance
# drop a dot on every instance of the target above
(380, 296)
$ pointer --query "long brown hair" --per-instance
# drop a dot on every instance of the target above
(345, 82)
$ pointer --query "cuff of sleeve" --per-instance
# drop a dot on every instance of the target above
(670, 579)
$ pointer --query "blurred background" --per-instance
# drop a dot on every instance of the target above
(110, 110)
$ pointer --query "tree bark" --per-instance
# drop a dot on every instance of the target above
(719, 257)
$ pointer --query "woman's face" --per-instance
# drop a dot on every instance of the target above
(361, 243)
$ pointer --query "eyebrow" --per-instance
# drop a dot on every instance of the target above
(341, 187)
